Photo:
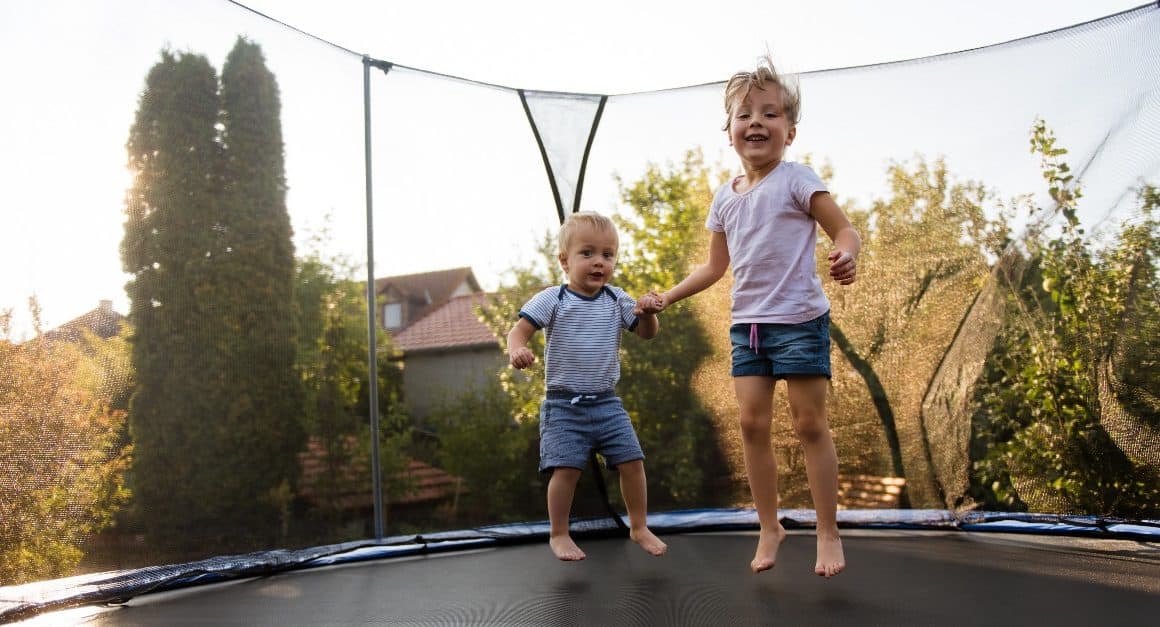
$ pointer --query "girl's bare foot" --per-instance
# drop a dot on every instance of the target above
(831, 559)
(767, 546)
(648, 541)
(565, 549)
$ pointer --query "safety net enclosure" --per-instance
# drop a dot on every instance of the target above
(258, 284)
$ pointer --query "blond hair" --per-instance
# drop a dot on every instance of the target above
(590, 219)
(740, 83)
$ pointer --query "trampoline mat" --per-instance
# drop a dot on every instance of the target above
(892, 578)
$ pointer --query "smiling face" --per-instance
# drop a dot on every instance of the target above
(759, 129)
(589, 258)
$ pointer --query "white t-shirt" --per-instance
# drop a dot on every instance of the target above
(771, 237)
(582, 336)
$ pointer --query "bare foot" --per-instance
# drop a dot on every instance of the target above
(831, 559)
(565, 549)
(767, 546)
(648, 541)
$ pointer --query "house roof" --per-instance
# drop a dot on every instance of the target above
(102, 321)
(349, 488)
(454, 325)
(435, 286)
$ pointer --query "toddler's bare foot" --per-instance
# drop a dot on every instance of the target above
(831, 559)
(767, 546)
(565, 549)
(648, 541)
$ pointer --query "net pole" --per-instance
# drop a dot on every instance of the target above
(372, 360)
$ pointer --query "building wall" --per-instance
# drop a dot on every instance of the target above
(433, 378)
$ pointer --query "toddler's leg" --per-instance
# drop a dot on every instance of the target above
(634, 488)
(755, 401)
(561, 489)
(807, 407)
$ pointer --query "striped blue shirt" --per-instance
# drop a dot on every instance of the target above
(582, 336)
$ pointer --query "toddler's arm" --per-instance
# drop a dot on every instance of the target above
(647, 324)
(519, 354)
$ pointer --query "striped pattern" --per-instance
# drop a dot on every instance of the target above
(582, 334)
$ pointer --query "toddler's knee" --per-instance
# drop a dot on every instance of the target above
(565, 474)
(632, 468)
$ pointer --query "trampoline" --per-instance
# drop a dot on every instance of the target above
(894, 578)
(911, 567)
(908, 417)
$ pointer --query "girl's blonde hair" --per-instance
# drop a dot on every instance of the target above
(591, 219)
(765, 75)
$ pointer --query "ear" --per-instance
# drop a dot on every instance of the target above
(563, 257)
(790, 135)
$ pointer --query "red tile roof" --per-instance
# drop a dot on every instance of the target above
(353, 485)
(102, 321)
(454, 325)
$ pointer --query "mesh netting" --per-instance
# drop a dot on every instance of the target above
(998, 352)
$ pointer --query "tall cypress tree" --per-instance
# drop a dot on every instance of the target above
(170, 251)
(264, 414)
(215, 418)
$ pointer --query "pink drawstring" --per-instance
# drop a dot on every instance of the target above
(753, 343)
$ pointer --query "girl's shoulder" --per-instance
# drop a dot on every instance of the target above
(795, 169)
(799, 171)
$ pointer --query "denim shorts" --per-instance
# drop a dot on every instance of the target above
(572, 426)
(782, 350)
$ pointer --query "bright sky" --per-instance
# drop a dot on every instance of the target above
(74, 70)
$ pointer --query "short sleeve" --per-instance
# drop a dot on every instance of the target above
(627, 306)
(804, 185)
(539, 309)
(714, 222)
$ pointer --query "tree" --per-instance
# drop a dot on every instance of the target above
(262, 431)
(170, 249)
(61, 457)
(1068, 417)
(332, 365)
(926, 250)
(215, 415)
(490, 437)
(662, 239)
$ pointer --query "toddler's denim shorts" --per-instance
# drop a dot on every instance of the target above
(574, 425)
(782, 350)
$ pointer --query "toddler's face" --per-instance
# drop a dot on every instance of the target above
(590, 259)
(758, 129)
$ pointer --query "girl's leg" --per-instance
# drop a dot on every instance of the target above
(634, 488)
(561, 489)
(807, 408)
(755, 402)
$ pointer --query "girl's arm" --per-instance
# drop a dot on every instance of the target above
(704, 276)
(847, 242)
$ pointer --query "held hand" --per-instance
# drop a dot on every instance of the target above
(522, 358)
(651, 303)
(843, 267)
